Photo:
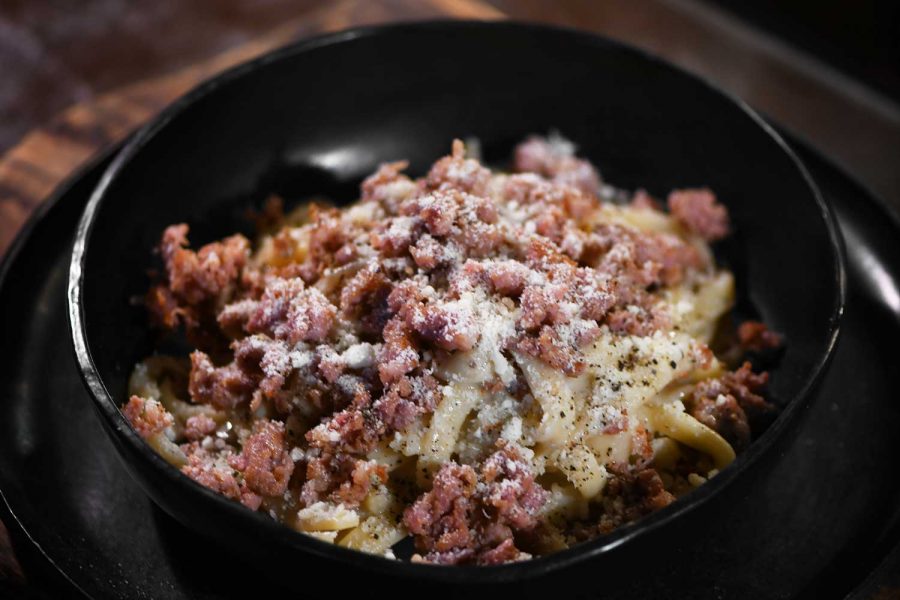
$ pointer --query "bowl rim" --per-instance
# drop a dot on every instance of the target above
(270, 529)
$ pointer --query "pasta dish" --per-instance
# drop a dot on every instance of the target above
(495, 364)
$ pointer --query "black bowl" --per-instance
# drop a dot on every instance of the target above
(316, 117)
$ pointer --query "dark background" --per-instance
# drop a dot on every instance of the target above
(57, 52)
(861, 38)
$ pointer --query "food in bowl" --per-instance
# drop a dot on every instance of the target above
(498, 364)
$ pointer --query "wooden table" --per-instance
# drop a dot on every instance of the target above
(852, 124)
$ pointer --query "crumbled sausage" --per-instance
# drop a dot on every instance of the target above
(757, 337)
(555, 159)
(289, 312)
(206, 470)
(264, 460)
(203, 275)
(398, 356)
(699, 212)
(334, 343)
(388, 186)
(198, 427)
(457, 172)
(340, 478)
(470, 517)
(628, 496)
(147, 416)
(732, 404)
(364, 299)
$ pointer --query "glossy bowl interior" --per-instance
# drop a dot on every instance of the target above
(316, 117)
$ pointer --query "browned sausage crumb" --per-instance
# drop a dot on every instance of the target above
(754, 336)
(148, 417)
(699, 212)
(470, 517)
